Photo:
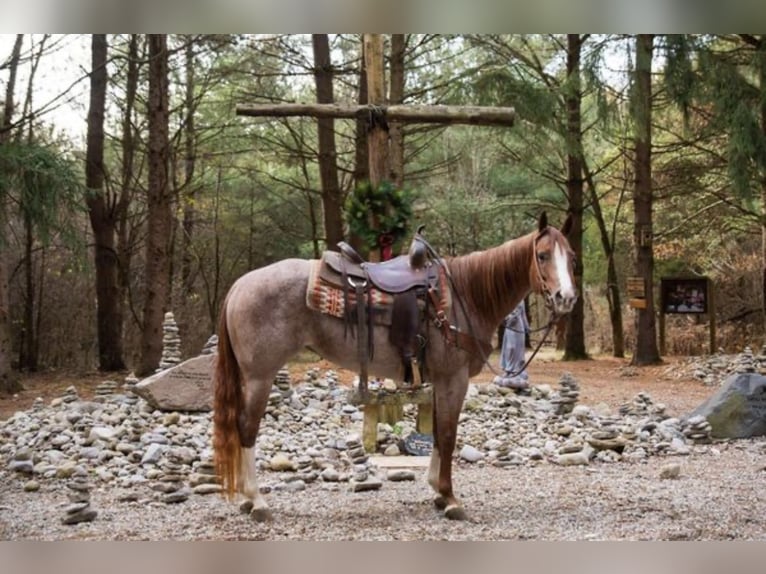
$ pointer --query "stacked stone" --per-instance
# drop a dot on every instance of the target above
(204, 479)
(697, 429)
(745, 361)
(70, 395)
(171, 343)
(311, 375)
(362, 478)
(567, 395)
(38, 404)
(608, 436)
(506, 457)
(105, 389)
(211, 346)
(306, 471)
(641, 405)
(171, 481)
(282, 382)
(78, 510)
(332, 379)
(130, 383)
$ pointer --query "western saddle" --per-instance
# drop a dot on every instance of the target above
(412, 280)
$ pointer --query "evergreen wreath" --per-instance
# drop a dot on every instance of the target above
(374, 211)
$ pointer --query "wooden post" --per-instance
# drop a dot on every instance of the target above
(380, 159)
(662, 332)
(377, 134)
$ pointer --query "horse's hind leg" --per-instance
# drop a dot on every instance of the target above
(256, 399)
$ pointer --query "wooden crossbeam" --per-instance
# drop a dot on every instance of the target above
(473, 115)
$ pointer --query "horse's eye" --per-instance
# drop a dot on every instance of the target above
(543, 257)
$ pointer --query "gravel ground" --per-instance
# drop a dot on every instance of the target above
(719, 495)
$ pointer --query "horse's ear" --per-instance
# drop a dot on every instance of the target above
(543, 223)
(567, 226)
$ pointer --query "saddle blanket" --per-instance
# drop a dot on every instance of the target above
(328, 299)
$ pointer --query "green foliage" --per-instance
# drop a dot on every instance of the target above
(41, 182)
(371, 211)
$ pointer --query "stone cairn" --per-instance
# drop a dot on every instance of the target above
(203, 479)
(745, 362)
(282, 382)
(171, 343)
(130, 383)
(171, 480)
(567, 395)
(363, 477)
(697, 429)
(78, 510)
(70, 395)
(211, 346)
(642, 405)
(104, 390)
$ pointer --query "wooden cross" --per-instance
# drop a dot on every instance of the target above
(379, 165)
(377, 136)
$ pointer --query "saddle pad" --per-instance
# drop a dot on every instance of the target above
(326, 298)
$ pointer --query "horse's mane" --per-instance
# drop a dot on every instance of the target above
(490, 282)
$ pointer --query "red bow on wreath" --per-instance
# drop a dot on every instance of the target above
(386, 242)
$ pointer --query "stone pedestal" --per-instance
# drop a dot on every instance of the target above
(378, 402)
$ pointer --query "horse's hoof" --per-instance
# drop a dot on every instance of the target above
(246, 506)
(455, 512)
(440, 502)
(261, 515)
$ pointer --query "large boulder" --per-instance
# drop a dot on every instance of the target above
(738, 409)
(186, 387)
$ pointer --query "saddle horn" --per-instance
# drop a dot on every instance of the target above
(418, 253)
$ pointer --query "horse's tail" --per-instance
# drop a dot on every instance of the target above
(227, 404)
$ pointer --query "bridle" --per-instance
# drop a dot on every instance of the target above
(546, 293)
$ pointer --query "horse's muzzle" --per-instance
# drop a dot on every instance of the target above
(561, 303)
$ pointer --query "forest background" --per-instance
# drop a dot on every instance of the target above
(656, 144)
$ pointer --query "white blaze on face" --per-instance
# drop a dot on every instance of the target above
(561, 262)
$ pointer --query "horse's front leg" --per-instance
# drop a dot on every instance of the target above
(448, 402)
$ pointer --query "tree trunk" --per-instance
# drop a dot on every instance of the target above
(361, 154)
(612, 286)
(9, 382)
(762, 85)
(27, 345)
(396, 96)
(328, 169)
(188, 191)
(10, 89)
(574, 348)
(157, 288)
(124, 228)
(646, 352)
(102, 218)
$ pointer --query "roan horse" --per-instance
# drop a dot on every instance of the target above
(265, 320)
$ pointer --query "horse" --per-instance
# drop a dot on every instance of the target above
(265, 320)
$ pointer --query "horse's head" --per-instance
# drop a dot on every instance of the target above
(553, 266)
